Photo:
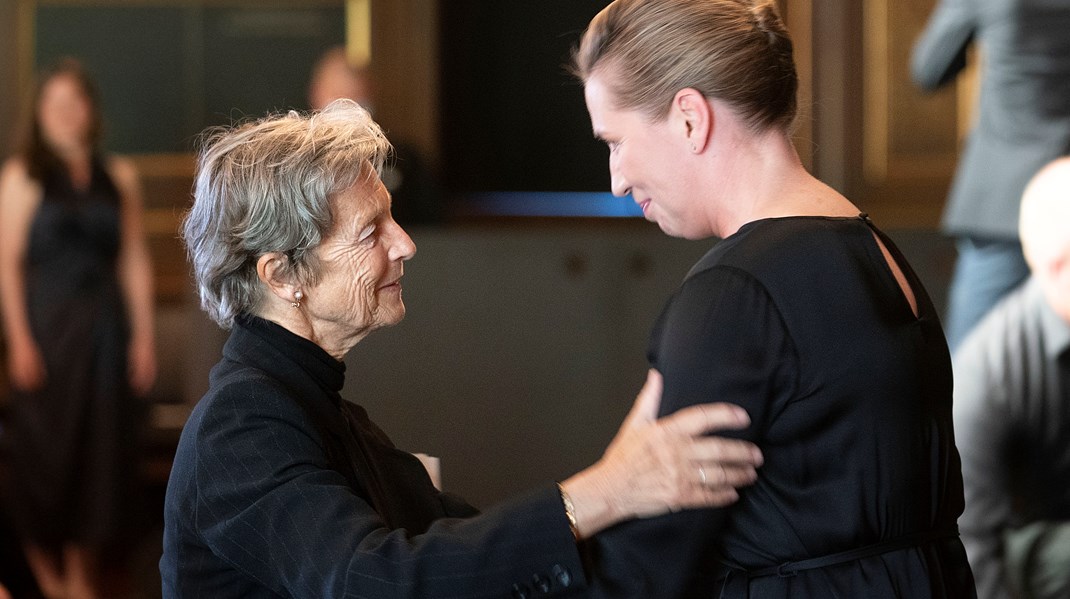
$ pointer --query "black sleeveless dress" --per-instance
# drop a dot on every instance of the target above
(72, 443)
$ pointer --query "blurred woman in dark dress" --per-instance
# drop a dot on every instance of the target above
(76, 286)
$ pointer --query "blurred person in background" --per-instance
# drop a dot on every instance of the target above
(1023, 123)
(417, 197)
(1012, 413)
(76, 288)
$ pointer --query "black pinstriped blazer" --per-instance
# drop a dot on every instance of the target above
(255, 507)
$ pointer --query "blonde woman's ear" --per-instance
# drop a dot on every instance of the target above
(691, 107)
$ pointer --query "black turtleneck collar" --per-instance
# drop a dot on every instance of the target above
(393, 481)
(286, 350)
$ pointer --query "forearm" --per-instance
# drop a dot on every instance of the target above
(19, 199)
(137, 284)
(13, 299)
(308, 532)
(135, 265)
(523, 543)
(338, 546)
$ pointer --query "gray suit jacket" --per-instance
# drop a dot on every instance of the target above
(1024, 119)
(1012, 428)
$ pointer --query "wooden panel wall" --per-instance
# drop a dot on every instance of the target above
(13, 28)
(863, 126)
(798, 14)
(878, 139)
(405, 64)
(910, 140)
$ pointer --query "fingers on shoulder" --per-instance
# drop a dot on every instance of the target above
(707, 418)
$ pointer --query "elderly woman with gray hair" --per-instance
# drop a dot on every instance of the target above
(282, 488)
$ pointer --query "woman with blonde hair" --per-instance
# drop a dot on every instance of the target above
(805, 314)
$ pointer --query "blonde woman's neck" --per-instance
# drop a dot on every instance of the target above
(761, 176)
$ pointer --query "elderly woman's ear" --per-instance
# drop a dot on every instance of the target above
(276, 274)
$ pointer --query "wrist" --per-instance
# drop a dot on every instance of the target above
(592, 508)
(570, 511)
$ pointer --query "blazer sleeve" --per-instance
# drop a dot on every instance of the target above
(940, 53)
(268, 504)
(720, 339)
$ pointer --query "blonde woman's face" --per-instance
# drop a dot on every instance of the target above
(65, 114)
(646, 160)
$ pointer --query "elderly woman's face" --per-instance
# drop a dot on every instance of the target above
(359, 287)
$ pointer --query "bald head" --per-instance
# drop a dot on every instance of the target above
(1044, 225)
(333, 77)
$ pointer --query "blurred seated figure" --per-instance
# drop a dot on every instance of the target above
(407, 176)
(1012, 413)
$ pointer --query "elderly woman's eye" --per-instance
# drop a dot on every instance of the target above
(366, 232)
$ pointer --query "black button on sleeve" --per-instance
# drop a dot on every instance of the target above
(541, 583)
(563, 575)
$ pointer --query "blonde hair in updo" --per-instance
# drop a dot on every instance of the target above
(737, 51)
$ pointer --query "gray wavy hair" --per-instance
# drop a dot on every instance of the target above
(266, 186)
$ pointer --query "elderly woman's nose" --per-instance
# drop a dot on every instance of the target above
(402, 246)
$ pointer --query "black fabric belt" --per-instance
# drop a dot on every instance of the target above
(792, 568)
